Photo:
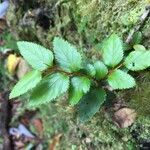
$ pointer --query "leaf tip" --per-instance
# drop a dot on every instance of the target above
(11, 96)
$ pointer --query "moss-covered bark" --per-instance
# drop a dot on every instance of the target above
(80, 21)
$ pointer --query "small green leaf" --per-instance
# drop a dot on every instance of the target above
(137, 38)
(90, 104)
(127, 47)
(112, 49)
(36, 55)
(90, 70)
(66, 55)
(121, 80)
(79, 86)
(139, 47)
(101, 70)
(29, 81)
(138, 60)
(49, 88)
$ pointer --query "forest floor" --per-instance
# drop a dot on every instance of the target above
(55, 127)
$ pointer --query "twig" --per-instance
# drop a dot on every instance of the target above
(142, 20)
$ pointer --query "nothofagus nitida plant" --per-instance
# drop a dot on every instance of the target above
(81, 80)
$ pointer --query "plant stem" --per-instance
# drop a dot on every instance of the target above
(112, 70)
(56, 69)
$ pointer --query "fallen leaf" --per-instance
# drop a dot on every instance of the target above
(2, 42)
(3, 24)
(23, 68)
(19, 144)
(55, 141)
(38, 124)
(124, 117)
(12, 62)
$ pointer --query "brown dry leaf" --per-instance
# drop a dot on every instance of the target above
(23, 68)
(3, 24)
(12, 62)
(55, 141)
(25, 121)
(38, 124)
(124, 117)
(2, 42)
(19, 144)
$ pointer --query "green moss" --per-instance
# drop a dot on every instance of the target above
(83, 21)
(101, 132)
(141, 129)
(139, 97)
(100, 129)
(1, 140)
(105, 17)
(1, 143)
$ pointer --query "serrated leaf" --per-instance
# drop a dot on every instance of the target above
(101, 70)
(28, 82)
(121, 80)
(139, 47)
(90, 70)
(79, 86)
(49, 88)
(36, 55)
(112, 50)
(90, 104)
(66, 55)
(138, 60)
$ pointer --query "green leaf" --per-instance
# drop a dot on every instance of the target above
(138, 60)
(127, 47)
(137, 38)
(101, 70)
(66, 55)
(90, 104)
(49, 88)
(36, 55)
(79, 86)
(120, 80)
(90, 70)
(139, 47)
(112, 49)
(29, 81)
